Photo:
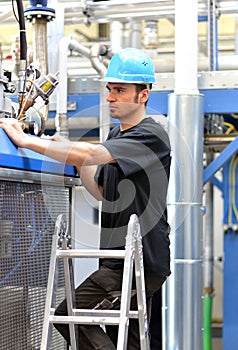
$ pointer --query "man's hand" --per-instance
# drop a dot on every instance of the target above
(14, 130)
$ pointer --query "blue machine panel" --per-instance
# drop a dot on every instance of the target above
(20, 158)
(215, 101)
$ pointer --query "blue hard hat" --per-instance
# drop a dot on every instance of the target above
(132, 66)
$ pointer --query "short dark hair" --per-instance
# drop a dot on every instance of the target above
(140, 87)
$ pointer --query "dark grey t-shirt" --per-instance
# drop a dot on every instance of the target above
(137, 184)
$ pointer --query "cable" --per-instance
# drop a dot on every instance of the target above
(232, 189)
(22, 27)
(23, 50)
(235, 162)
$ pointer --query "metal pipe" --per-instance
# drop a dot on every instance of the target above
(186, 55)
(183, 321)
(116, 36)
(5, 15)
(212, 37)
(183, 317)
(151, 34)
(165, 63)
(40, 43)
(208, 262)
(40, 54)
(61, 121)
(95, 52)
(39, 15)
(104, 118)
(135, 34)
(101, 12)
(75, 46)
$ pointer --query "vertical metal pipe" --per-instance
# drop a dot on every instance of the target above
(186, 47)
(40, 51)
(208, 262)
(212, 37)
(135, 34)
(185, 285)
(116, 36)
(40, 43)
(183, 315)
(61, 120)
(208, 237)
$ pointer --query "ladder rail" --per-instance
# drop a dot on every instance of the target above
(70, 297)
(141, 295)
(51, 287)
(126, 288)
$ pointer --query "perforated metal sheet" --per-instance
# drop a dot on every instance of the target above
(27, 218)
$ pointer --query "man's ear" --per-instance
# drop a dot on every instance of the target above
(144, 95)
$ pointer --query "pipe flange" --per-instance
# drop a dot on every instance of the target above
(39, 12)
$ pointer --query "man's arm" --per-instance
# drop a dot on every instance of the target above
(87, 174)
(73, 153)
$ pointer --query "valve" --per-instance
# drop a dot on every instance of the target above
(36, 86)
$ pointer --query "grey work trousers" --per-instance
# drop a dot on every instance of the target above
(105, 283)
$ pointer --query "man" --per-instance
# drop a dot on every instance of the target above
(129, 172)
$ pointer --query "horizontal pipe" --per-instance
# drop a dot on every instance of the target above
(163, 64)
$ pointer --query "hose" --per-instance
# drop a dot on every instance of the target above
(23, 55)
(207, 320)
(22, 28)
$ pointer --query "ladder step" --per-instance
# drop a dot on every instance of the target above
(89, 320)
(86, 253)
(97, 313)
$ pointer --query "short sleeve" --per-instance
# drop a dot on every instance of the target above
(139, 148)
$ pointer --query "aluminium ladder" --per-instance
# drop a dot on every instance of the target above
(132, 255)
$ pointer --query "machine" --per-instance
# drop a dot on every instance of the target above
(35, 189)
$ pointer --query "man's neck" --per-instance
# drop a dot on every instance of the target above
(124, 125)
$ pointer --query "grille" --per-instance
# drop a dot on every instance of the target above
(27, 220)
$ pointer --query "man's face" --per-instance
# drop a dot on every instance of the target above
(124, 100)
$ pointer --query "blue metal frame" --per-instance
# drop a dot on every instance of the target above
(230, 266)
(215, 101)
(220, 161)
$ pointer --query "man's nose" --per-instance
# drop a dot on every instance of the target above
(111, 97)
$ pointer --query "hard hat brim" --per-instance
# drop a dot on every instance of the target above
(116, 80)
